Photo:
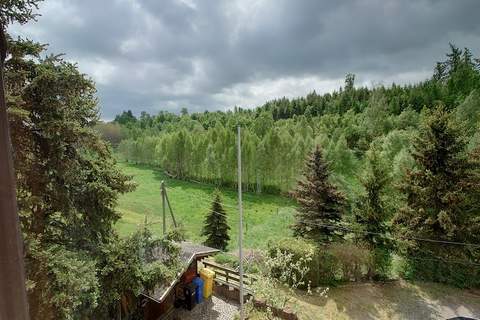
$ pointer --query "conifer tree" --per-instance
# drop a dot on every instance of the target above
(320, 202)
(371, 212)
(441, 204)
(215, 226)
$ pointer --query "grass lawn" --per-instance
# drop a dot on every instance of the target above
(265, 216)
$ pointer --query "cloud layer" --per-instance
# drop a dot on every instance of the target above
(164, 55)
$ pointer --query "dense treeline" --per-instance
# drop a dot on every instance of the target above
(278, 135)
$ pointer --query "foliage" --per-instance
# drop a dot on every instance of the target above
(20, 11)
(111, 132)
(125, 118)
(371, 212)
(282, 270)
(216, 225)
(67, 187)
(351, 262)
(460, 73)
(131, 265)
(320, 203)
(327, 264)
(468, 112)
(72, 288)
(441, 203)
(297, 250)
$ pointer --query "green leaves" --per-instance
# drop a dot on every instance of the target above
(20, 11)
(67, 185)
(439, 193)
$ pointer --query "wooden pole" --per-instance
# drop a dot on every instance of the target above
(13, 297)
(162, 187)
(170, 208)
(240, 225)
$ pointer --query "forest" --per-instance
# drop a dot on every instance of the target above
(377, 174)
(279, 135)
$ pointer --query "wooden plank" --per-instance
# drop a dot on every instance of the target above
(223, 268)
(13, 297)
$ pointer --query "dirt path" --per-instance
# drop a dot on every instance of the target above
(396, 300)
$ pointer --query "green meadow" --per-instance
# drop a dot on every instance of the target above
(266, 217)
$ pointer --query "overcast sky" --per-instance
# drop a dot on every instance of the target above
(206, 55)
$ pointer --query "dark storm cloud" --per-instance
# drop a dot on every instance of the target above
(152, 55)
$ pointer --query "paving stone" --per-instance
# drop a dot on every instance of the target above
(214, 308)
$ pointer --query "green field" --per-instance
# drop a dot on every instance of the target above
(265, 216)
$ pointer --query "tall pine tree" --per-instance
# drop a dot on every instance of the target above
(441, 204)
(215, 226)
(320, 202)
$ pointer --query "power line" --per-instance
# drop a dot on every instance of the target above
(375, 233)
(356, 231)
(206, 199)
(161, 221)
(208, 204)
(419, 239)
(393, 239)
(466, 263)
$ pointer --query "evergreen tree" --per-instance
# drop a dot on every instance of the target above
(321, 204)
(441, 204)
(215, 226)
(67, 187)
(125, 118)
(371, 211)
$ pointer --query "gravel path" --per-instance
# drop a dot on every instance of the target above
(214, 308)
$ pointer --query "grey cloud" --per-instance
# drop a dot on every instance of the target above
(151, 55)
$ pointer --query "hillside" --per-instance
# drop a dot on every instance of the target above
(266, 216)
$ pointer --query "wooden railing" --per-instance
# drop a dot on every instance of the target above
(230, 276)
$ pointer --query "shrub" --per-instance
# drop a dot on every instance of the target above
(332, 263)
(430, 268)
(353, 262)
(321, 263)
(300, 249)
(226, 260)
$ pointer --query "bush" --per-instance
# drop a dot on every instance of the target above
(299, 248)
(226, 260)
(353, 263)
(429, 268)
(331, 263)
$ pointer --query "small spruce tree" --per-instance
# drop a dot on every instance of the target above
(371, 212)
(320, 202)
(215, 226)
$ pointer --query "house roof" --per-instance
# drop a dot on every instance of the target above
(188, 253)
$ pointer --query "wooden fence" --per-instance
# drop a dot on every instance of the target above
(230, 277)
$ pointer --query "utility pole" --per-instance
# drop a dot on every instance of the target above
(13, 297)
(162, 187)
(169, 206)
(240, 225)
